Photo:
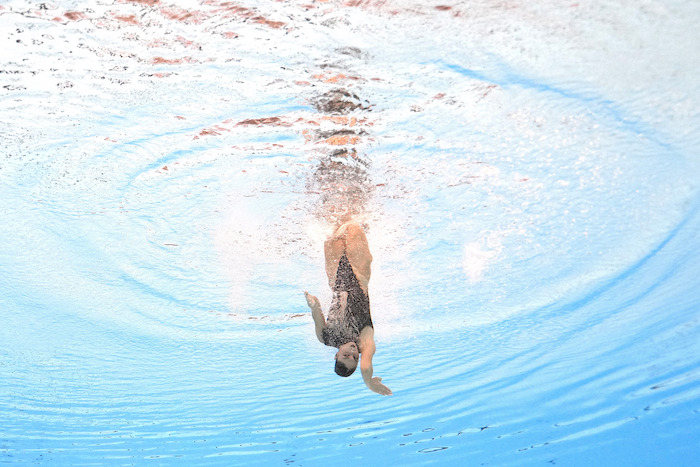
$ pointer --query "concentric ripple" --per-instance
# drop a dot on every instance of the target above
(527, 174)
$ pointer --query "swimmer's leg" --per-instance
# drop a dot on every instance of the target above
(357, 251)
(333, 249)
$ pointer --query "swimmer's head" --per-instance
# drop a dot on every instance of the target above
(346, 359)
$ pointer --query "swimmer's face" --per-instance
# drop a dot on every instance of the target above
(348, 354)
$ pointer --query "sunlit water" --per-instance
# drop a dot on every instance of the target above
(529, 176)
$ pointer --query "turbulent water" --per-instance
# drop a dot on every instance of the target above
(527, 173)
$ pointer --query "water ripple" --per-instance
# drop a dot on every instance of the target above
(526, 173)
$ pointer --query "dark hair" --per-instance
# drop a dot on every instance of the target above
(343, 370)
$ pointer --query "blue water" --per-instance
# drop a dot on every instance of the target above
(528, 174)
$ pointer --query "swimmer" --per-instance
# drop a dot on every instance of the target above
(349, 325)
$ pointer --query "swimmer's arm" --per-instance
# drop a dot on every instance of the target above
(316, 314)
(368, 348)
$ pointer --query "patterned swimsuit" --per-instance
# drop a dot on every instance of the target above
(343, 326)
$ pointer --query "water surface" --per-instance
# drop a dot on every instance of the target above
(528, 174)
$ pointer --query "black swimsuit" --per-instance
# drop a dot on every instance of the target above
(343, 326)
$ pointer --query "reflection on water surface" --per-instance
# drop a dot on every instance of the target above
(170, 171)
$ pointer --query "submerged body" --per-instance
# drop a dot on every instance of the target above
(349, 324)
(349, 312)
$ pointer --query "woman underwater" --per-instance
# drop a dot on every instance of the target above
(349, 324)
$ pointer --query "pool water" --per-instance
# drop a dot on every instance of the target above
(527, 173)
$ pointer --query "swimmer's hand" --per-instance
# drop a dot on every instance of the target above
(375, 384)
(312, 301)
